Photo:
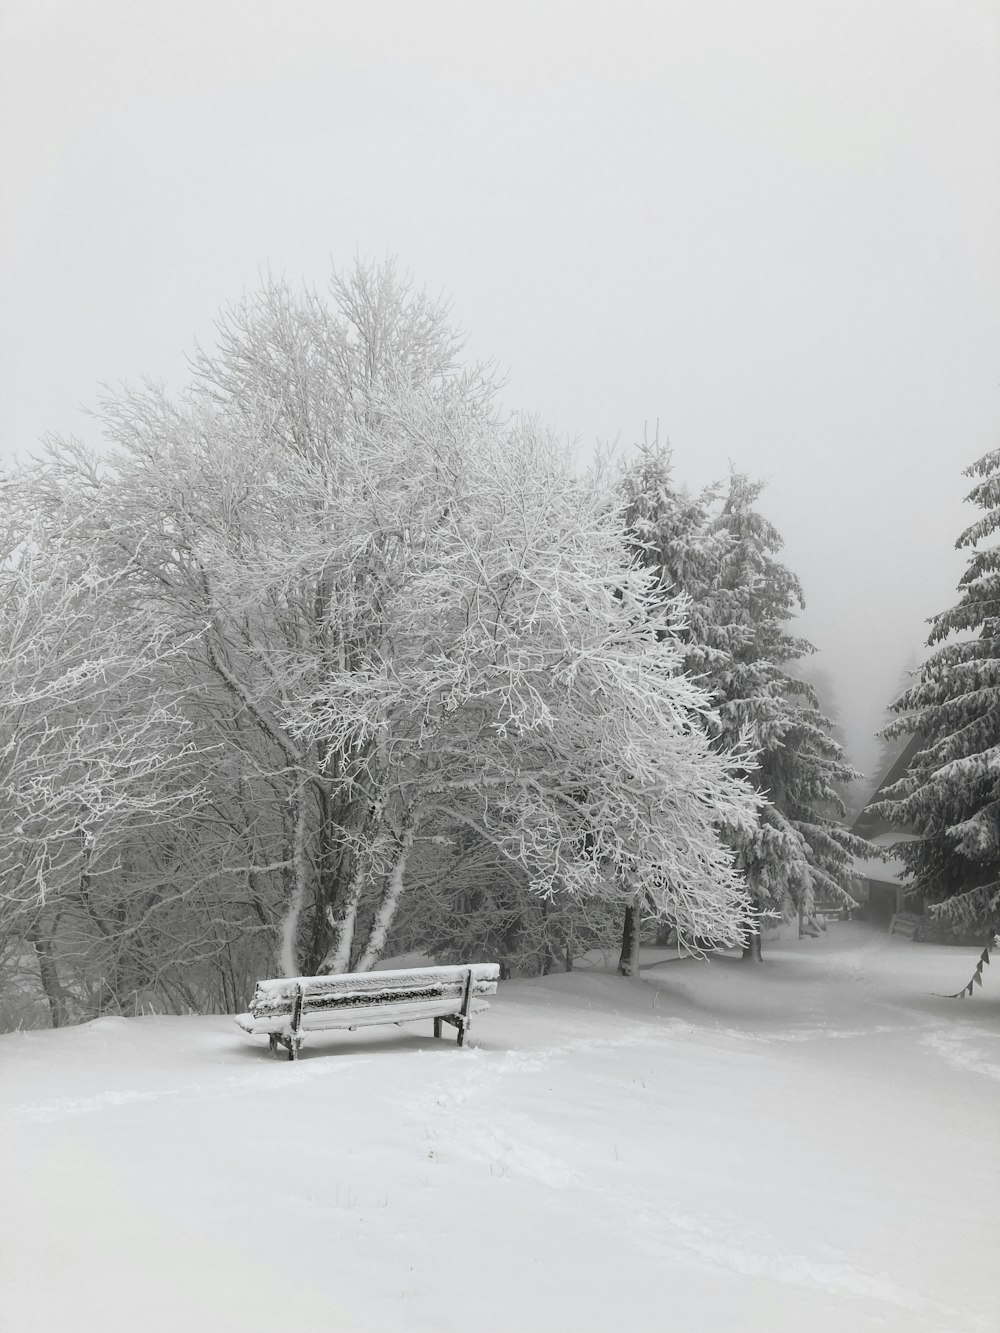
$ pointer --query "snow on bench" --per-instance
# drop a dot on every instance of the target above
(285, 1009)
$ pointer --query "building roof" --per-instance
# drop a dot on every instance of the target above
(870, 825)
(880, 866)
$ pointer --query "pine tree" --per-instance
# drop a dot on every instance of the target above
(800, 850)
(720, 553)
(892, 745)
(951, 792)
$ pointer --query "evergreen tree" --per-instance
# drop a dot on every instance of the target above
(826, 696)
(800, 850)
(851, 793)
(720, 553)
(951, 793)
(892, 745)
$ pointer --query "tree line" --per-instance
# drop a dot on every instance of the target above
(329, 657)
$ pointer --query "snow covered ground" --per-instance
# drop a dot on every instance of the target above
(809, 1145)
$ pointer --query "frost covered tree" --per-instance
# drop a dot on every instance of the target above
(951, 792)
(94, 752)
(394, 614)
(206, 504)
(467, 901)
(670, 533)
(530, 698)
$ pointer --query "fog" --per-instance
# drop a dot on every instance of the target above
(771, 228)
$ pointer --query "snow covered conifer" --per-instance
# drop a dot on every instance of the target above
(951, 792)
(719, 552)
(800, 849)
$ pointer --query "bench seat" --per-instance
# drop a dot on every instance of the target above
(285, 1009)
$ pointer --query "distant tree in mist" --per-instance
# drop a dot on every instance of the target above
(893, 738)
(951, 793)
(819, 678)
(821, 682)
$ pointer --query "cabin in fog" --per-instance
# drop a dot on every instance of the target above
(882, 888)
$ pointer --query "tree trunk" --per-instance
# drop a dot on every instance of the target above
(751, 950)
(334, 866)
(511, 943)
(545, 963)
(49, 976)
(343, 922)
(386, 910)
(341, 913)
(288, 956)
(664, 931)
(628, 963)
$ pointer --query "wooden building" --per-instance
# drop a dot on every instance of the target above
(882, 888)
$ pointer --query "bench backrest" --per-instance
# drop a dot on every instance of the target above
(904, 923)
(357, 990)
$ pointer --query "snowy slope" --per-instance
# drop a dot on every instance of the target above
(676, 1152)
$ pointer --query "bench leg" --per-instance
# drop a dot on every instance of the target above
(437, 1027)
(295, 1036)
(272, 1041)
(465, 1018)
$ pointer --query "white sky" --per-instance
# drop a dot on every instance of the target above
(773, 225)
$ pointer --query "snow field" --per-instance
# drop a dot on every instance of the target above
(811, 1144)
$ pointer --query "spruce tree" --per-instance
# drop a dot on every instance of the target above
(801, 849)
(669, 530)
(720, 552)
(951, 793)
(892, 745)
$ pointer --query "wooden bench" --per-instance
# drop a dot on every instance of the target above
(286, 1009)
(834, 912)
(905, 923)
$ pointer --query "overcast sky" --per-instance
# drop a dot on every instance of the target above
(772, 225)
